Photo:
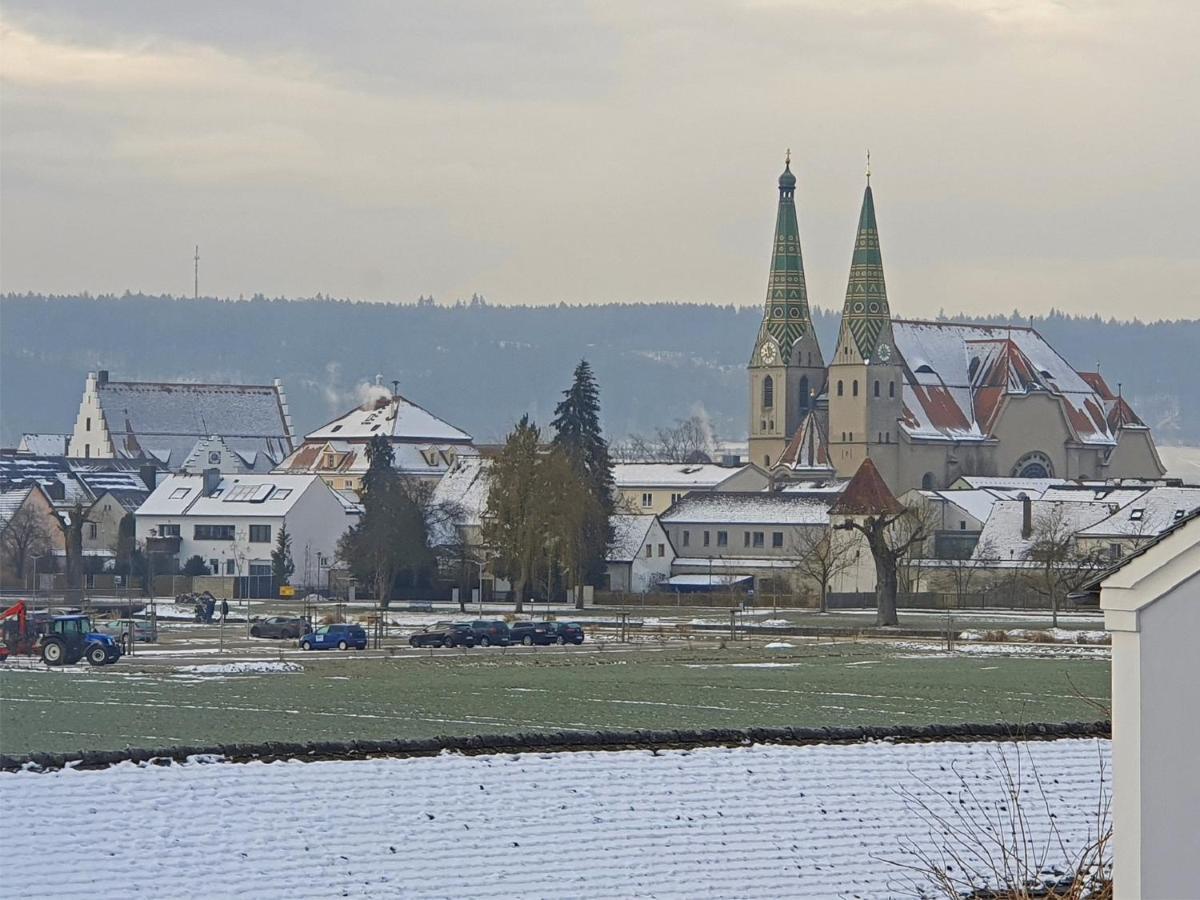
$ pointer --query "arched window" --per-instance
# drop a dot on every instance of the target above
(927, 481)
(876, 387)
(804, 392)
(840, 391)
(854, 387)
(892, 389)
(767, 460)
(1034, 465)
(768, 392)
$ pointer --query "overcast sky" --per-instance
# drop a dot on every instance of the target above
(1025, 153)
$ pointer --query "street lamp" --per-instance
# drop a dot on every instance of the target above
(480, 565)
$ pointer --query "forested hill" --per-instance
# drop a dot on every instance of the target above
(481, 366)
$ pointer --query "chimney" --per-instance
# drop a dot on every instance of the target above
(1026, 517)
(212, 480)
(102, 377)
(149, 475)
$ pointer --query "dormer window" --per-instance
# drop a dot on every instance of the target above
(1137, 515)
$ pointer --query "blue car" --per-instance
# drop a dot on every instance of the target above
(342, 637)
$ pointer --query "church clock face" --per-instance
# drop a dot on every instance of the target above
(767, 353)
(883, 351)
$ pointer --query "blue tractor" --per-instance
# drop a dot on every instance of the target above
(71, 638)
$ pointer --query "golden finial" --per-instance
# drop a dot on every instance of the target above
(868, 166)
(787, 157)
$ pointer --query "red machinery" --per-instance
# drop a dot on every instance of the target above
(16, 637)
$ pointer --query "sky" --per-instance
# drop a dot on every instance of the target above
(1025, 154)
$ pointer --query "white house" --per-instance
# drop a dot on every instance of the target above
(1151, 606)
(650, 488)
(232, 522)
(640, 555)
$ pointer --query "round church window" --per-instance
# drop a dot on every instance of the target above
(1034, 465)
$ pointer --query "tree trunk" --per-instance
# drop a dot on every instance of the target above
(824, 596)
(885, 591)
(519, 593)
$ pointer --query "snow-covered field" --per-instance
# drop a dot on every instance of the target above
(764, 821)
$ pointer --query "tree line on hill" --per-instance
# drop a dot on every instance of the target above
(481, 366)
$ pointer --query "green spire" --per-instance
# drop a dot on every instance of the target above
(866, 311)
(786, 318)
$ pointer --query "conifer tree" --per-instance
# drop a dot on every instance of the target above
(282, 564)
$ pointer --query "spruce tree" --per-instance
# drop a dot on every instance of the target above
(577, 433)
(282, 564)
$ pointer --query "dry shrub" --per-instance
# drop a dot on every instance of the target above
(333, 618)
(1041, 637)
(998, 636)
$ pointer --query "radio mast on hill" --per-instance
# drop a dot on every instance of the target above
(196, 274)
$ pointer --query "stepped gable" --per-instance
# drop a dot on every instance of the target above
(867, 494)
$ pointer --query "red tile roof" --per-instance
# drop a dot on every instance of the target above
(867, 494)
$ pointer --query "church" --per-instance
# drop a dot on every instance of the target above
(928, 402)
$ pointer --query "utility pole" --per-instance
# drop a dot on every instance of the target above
(196, 274)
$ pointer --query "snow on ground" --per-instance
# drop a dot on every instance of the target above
(258, 667)
(764, 821)
(1049, 635)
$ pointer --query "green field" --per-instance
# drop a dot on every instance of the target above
(819, 683)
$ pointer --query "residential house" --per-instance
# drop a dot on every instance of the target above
(1151, 604)
(640, 555)
(215, 452)
(650, 488)
(29, 527)
(38, 444)
(232, 522)
(163, 421)
(423, 446)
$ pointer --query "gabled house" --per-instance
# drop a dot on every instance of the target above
(650, 488)
(163, 421)
(640, 554)
(29, 527)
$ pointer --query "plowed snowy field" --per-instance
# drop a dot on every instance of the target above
(764, 821)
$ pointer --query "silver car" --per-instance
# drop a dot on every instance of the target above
(143, 633)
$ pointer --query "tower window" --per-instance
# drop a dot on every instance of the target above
(768, 392)
(892, 389)
(876, 387)
(854, 387)
(804, 391)
(841, 391)
(927, 481)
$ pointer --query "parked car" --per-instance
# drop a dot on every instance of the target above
(529, 633)
(286, 627)
(491, 631)
(444, 634)
(143, 632)
(568, 633)
(341, 636)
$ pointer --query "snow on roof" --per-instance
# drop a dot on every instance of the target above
(696, 476)
(867, 494)
(1150, 513)
(351, 458)
(821, 486)
(975, 503)
(392, 416)
(753, 822)
(629, 535)
(956, 376)
(750, 508)
(44, 444)
(12, 500)
(466, 485)
(732, 563)
(165, 420)
(235, 496)
(48, 471)
(1001, 535)
(1030, 485)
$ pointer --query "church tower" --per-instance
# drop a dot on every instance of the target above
(864, 379)
(786, 370)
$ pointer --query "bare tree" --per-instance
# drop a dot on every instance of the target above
(890, 536)
(965, 567)
(23, 535)
(821, 556)
(1057, 564)
(690, 440)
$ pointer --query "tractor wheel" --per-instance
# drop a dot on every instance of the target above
(54, 653)
(97, 655)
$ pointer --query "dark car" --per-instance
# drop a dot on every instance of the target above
(529, 633)
(491, 631)
(287, 627)
(343, 637)
(568, 633)
(444, 634)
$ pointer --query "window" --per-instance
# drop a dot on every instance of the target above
(260, 569)
(843, 437)
(758, 539)
(745, 539)
(214, 458)
(962, 524)
(892, 389)
(804, 387)
(91, 531)
(1114, 551)
(687, 538)
(1136, 515)
(212, 533)
(675, 498)
(927, 481)
(88, 426)
(647, 500)
(722, 538)
(876, 387)
(777, 539)
(348, 483)
(260, 534)
(180, 493)
(854, 387)
(649, 550)
(168, 530)
(852, 437)
(661, 550)
(706, 539)
(768, 392)
(841, 390)
(230, 568)
(282, 494)
(214, 566)
(87, 451)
